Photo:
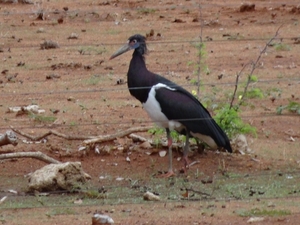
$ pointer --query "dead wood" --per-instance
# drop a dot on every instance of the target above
(86, 139)
(52, 132)
(139, 138)
(8, 138)
(111, 137)
(37, 155)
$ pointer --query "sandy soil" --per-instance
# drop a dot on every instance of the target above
(78, 86)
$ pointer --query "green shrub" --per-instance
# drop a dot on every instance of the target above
(230, 121)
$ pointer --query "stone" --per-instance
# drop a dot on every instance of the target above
(240, 144)
(63, 176)
(98, 219)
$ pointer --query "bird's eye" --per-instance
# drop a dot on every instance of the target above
(134, 41)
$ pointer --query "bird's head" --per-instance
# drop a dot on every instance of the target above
(137, 42)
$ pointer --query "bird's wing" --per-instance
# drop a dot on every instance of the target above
(179, 105)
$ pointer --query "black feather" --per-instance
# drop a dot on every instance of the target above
(176, 103)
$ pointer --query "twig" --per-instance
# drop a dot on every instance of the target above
(136, 137)
(197, 192)
(38, 155)
(111, 137)
(254, 65)
(52, 132)
(200, 52)
(236, 84)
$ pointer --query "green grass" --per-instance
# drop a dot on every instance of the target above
(255, 93)
(231, 185)
(93, 80)
(293, 107)
(263, 212)
(282, 47)
(61, 211)
(92, 50)
(146, 10)
(42, 119)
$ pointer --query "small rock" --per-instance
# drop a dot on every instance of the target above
(149, 196)
(41, 30)
(98, 219)
(255, 219)
(60, 20)
(71, 99)
(145, 145)
(240, 144)
(178, 21)
(48, 44)
(52, 76)
(3, 199)
(73, 36)
(63, 176)
(162, 153)
(247, 7)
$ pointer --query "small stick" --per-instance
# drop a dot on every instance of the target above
(38, 155)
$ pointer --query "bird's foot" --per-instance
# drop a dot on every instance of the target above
(170, 173)
(185, 164)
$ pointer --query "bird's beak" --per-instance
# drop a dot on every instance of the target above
(121, 50)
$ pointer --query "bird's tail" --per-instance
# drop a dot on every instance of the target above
(221, 138)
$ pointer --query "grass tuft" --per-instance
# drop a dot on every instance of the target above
(264, 212)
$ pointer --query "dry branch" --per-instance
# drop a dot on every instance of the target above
(86, 139)
(255, 64)
(116, 135)
(52, 132)
(135, 137)
(37, 155)
(236, 84)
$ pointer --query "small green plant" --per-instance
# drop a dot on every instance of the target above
(87, 20)
(94, 194)
(229, 120)
(146, 10)
(89, 50)
(42, 119)
(93, 80)
(73, 124)
(264, 212)
(61, 211)
(255, 93)
(293, 107)
(157, 132)
(282, 47)
(253, 78)
(200, 65)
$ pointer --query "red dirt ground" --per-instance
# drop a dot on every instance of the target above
(90, 102)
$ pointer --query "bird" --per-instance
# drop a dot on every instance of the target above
(169, 105)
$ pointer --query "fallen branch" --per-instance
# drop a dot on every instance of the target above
(37, 155)
(8, 138)
(111, 137)
(52, 132)
(139, 138)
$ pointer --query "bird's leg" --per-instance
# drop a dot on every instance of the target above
(170, 172)
(185, 151)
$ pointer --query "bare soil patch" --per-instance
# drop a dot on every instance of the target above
(81, 92)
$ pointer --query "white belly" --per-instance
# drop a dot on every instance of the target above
(153, 109)
(207, 139)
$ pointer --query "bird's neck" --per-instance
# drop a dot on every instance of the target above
(139, 79)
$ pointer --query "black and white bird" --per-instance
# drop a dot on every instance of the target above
(169, 105)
